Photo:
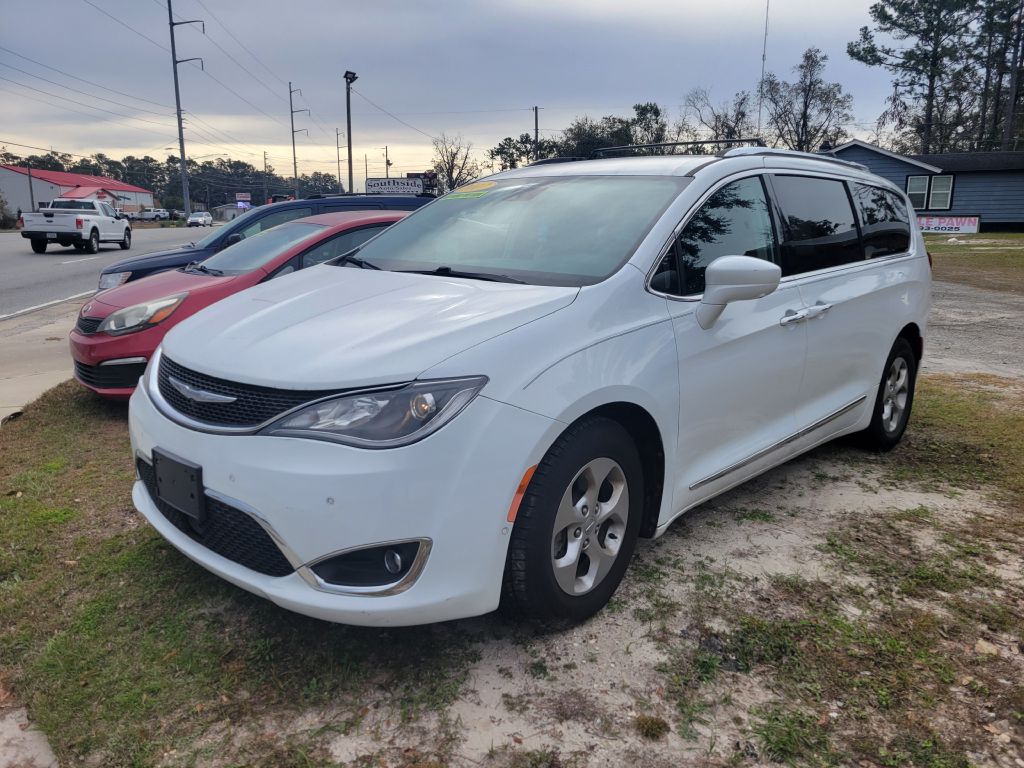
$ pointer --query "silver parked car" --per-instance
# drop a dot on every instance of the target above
(200, 219)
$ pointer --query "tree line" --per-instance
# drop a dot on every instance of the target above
(956, 71)
(210, 182)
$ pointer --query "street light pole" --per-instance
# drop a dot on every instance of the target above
(175, 61)
(295, 162)
(350, 77)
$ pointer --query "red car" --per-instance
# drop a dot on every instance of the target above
(118, 329)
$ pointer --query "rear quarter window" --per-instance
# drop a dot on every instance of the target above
(884, 220)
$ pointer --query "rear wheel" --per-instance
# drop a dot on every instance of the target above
(93, 243)
(894, 400)
(38, 246)
(576, 527)
(126, 241)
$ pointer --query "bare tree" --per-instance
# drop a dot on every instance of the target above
(452, 162)
(728, 120)
(810, 111)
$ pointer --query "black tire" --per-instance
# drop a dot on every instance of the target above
(530, 589)
(92, 245)
(885, 432)
(126, 241)
(38, 246)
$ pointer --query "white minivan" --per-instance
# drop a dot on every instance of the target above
(489, 402)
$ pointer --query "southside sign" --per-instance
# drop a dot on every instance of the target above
(394, 186)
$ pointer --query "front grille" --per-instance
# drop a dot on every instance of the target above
(253, 405)
(88, 325)
(110, 376)
(229, 532)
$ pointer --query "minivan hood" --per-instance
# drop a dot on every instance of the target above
(335, 327)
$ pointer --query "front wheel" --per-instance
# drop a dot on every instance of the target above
(126, 241)
(576, 527)
(38, 246)
(894, 399)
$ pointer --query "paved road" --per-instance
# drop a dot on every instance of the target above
(29, 279)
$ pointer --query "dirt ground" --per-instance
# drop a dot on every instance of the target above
(843, 609)
(584, 697)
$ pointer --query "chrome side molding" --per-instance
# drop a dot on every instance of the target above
(781, 443)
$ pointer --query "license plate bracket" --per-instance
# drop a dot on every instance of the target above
(51, 235)
(179, 483)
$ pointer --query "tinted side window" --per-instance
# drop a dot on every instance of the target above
(884, 221)
(819, 228)
(735, 221)
(273, 219)
(339, 245)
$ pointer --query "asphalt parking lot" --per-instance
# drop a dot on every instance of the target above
(31, 279)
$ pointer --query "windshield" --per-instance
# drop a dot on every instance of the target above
(545, 231)
(257, 250)
(207, 242)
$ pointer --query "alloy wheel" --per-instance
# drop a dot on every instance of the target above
(895, 394)
(590, 526)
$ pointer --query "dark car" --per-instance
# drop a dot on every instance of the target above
(256, 220)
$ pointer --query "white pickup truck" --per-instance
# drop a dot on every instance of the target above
(81, 223)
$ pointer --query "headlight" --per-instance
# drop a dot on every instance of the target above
(113, 279)
(382, 418)
(141, 316)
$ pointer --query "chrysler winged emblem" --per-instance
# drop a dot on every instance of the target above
(198, 395)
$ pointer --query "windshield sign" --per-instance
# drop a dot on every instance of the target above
(545, 231)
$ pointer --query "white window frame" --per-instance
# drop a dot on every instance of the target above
(923, 192)
(932, 192)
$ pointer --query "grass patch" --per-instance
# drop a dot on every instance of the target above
(991, 260)
(123, 649)
(651, 727)
(790, 736)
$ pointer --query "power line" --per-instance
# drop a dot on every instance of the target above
(82, 79)
(392, 115)
(81, 103)
(93, 95)
(127, 26)
(240, 43)
(76, 111)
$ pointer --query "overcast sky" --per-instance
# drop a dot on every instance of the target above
(470, 67)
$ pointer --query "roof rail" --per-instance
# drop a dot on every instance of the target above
(742, 151)
(602, 150)
(550, 160)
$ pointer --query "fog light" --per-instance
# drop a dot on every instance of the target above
(369, 567)
(393, 562)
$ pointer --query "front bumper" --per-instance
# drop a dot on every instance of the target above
(111, 365)
(316, 498)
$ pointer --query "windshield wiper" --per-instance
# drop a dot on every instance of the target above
(351, 258)
(449, 272)
(197, 266)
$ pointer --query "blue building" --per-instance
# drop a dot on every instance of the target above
(948, 190)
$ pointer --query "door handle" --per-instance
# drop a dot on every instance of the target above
(817, 310)
(793, 316)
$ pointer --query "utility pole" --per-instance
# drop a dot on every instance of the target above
(295, 162)
(31, 192)
(536, 133)
(350, 77)
(387, 164)
(337, 145)
(366, 171)
(175, 61)
(266, 193)
(764, 58)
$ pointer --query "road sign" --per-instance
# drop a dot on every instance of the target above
(246, 196)
(394, 186)
(956, 225)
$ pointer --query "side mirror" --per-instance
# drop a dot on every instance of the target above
(234, 237)
(734, 278)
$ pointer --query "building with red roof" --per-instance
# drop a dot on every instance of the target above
(48, 185)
